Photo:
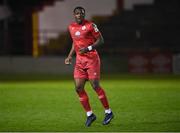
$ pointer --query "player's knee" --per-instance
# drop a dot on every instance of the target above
(78, 88)
(95, 86)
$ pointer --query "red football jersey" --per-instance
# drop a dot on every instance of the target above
(84, 35)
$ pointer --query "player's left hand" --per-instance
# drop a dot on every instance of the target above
(83, 50)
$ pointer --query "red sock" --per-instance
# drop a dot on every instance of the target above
(102, 97)
(83, 98)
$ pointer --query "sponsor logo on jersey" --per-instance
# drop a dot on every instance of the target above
(77, 33)
(84, 27)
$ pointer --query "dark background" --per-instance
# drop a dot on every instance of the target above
(146, 28)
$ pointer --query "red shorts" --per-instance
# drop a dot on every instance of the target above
(87, 68)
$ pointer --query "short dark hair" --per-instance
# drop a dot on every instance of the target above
(80, 8)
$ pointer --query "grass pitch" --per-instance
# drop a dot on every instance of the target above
(140, 103)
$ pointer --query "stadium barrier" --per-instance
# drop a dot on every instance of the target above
(55, 65)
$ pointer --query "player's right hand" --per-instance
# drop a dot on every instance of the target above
(68, 60)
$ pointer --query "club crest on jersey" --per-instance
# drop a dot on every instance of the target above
(77, 33)
(84, 27)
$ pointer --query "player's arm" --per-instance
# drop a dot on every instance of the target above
(68, 60)
(98, 42)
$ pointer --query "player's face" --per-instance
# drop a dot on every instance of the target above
(79, 15)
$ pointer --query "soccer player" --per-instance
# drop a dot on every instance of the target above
(86, 38)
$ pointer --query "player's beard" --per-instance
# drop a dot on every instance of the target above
(79, 20)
